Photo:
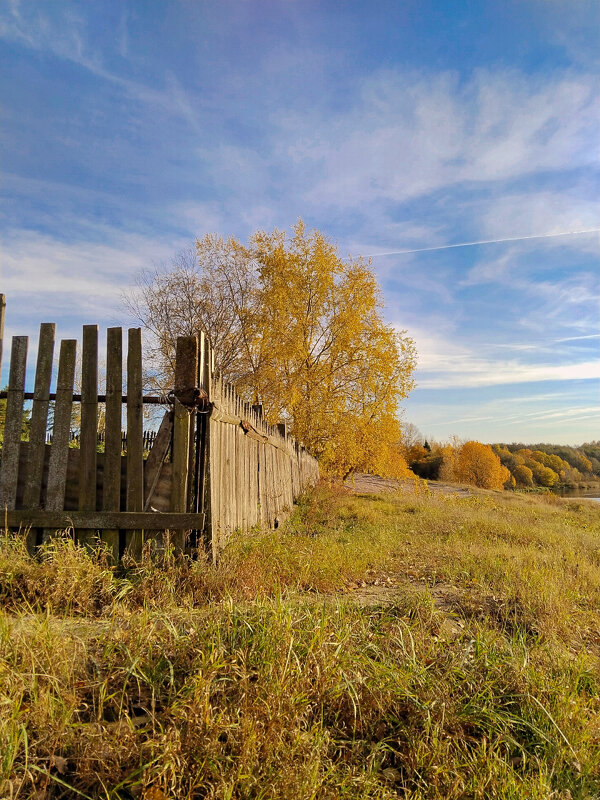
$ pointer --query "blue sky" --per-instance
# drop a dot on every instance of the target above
(129, 128)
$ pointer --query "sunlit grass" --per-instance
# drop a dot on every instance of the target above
(474, 674)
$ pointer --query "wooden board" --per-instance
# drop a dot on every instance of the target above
(97, 520)
(59, 452)
(111, 484)
(39, 416)
(13, 426)
(89, 420)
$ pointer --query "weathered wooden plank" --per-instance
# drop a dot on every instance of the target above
(59, 452)
(39, 416)
(2, 315)
(197, 485)
(221, 499)
(186, 370)
(89, 422)
(156, 457)
(206, 382)
(111, 475)
(135, 434)
(231, 437)
(13, 425)
(99, 520)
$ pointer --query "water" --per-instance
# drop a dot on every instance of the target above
(581, 493)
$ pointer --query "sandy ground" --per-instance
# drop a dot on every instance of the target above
(362, 483)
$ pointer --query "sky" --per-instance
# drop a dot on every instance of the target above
(131, 127)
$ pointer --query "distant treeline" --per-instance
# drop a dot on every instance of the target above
(550, 465)
(525, 466)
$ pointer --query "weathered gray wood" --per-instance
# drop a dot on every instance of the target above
(111, 477)
(156, 457)
(202, 470)
(135, 433)
(2, 315)
(99, 520)
(59, 452)
(186, 370)
(39, 416)
(13, 425)
(89, 421)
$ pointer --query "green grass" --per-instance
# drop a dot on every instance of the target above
(473, 672)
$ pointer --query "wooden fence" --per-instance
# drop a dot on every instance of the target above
(212, 467)
(257, 470)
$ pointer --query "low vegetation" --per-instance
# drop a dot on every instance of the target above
(409, 645)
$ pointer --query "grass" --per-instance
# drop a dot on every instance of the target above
(412, 646)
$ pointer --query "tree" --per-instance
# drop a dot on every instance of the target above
(296, 328)
(209, 288)
(412, 436)
(523, 475)
(476, 464)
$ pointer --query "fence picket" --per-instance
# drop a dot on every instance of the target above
(61, 429)
(89, 425)
(39, 417)
(111, 477)
(13, 424)
(135, 422)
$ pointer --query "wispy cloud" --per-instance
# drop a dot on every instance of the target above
(86, 275)
(409, 135)
(445, 364)
(64, 34)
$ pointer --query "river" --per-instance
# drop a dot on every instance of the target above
(581, 493)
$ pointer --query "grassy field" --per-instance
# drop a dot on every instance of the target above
(409, 645)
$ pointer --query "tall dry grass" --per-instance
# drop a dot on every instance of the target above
(473, 673)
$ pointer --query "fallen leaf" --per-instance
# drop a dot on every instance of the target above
(60, 763)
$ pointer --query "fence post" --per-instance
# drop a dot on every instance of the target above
(2, 314)
(202, 475)
(186, 372)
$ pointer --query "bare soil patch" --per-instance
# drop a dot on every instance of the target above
(361, 483)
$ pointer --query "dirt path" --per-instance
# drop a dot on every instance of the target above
(361, 483)
(384, 590)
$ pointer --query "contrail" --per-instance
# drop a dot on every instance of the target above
(484, 241)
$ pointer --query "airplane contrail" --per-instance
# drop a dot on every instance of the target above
(483, 241)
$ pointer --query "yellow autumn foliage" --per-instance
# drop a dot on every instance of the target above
(475, 464)
(297, 329)
(328, 361)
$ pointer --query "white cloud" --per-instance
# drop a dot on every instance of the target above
(48, 271)
(410, 135)
(446, 364)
